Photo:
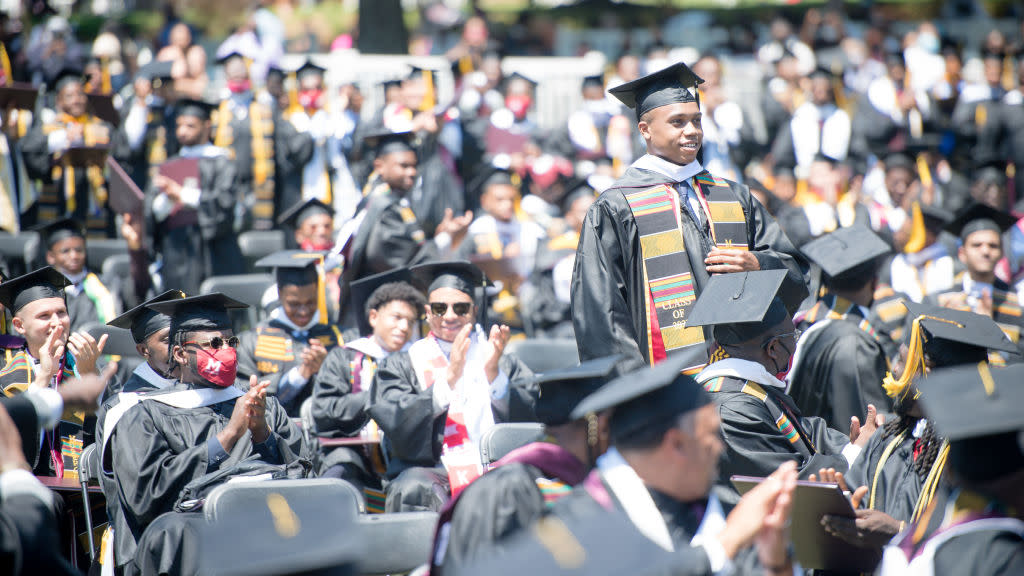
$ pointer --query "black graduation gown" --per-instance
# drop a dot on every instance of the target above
(81, 310)
(608, 288)
(159, 140)
(23, 413)
(338, 411)
(157, 449)
(197, 244)
(982, 553)
(271, 350)
(439, 187)
(754, 445)
(29, 542)
(840, 372)
(389, 237)
(412, 425)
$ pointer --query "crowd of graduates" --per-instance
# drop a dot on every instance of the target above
(825, 287)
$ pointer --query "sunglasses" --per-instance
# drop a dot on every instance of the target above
(795, 334)
(215, 343)
(441, 308)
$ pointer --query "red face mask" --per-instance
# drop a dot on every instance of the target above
(519, 105)
(310, 246)
(310, 99)
(218, 367)
(239, 86)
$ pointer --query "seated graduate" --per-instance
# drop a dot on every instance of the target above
(341, 389)
(311, 223)
(156, 443)
(839, 365)
(151, 332)
(531, 478)
(659, 472)
(289, 347)
(761, 425)
(88, 300)
(50, 356)
(901, 472)
(435, 401)
(980, 530)
(977, 288)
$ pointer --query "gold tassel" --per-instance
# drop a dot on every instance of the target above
(917, 231)
(106, 87)
(293, 95)
(924, 172)
(222, 138)
(897, 389)
(429, 98)
(980, 115)
(5, 61)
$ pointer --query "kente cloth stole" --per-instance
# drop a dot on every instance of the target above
(94, 133)
(667, 273)
(784, 418)
(261, 127)
(459, 454)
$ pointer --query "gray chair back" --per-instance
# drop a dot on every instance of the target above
(99, 249)
(396, 543)
(544, 354)
(506, 437)
(88, 473)
(119, 340)
(248, 288)
(256, 244)
(333, 495)
(19, 252)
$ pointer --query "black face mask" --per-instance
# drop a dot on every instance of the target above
(781, 372)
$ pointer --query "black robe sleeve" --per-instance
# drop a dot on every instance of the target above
(393, 242)
(988, 552)
(23, 412)
(292, 149)
(217, 201)
(36, 153)
(337, 411)
(840, 373)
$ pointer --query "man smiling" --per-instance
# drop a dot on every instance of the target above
(651, 241)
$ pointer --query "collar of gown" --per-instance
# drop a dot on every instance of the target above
(668, 169)
(741, 369)
(280, 317)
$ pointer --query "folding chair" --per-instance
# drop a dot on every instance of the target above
(89, 473)
(544, 354)
(119, 340)
(506, 437)
(97, 250)
(332, 495)
(256, 244)
(19, 252)
(396, 543)
(248, 288)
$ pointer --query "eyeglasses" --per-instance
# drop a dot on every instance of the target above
(795, 334)
(215, 343)
(441, 308)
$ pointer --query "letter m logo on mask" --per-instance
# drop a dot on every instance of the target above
(212, 368)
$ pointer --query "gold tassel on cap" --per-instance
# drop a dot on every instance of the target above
(918, 235)
(897, 389)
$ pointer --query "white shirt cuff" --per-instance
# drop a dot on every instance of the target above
(719, 560)
(850, 452)
(49, 405)
(14, 482)
(290, 384)
(162, 207)
(443, 241)
(57, 141)
(190, 196)
(135, 126)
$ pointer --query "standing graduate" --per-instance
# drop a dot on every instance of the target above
(265, 149)
(390, 311)
(289, 347)
(980, 229)
(839, 364)
(51, 355)
(761, 425)
(902, 469)
(631, 297)
(148, 125)
(925, 266)
(310, 116)
(88, 300)
(981, 529)
(151, 333)
(435, 401)
(660, 469)
(190, 223)
(156, 443)
(532, 478)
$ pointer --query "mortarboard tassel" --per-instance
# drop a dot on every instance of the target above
(917, 231)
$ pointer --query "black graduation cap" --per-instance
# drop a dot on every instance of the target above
(846, 250)
(310, 68)
(957, 328)
(741, 306)
(43, 283)
(977, 217)
(668, 86)
(935, 218)
(490, 176)
(519, 76)
(989, 54)
(102, 105)
(275, 70)
(898, 160)
(297, 214)
(822, 72)
(603, 544)
(363, 289)
(67, 76)
(282, 532)
(391, 82)
(384, 141)
(977, 408)
(417, 72)
(205, 312)
(574, 189)
(646, 395)
(461, 275)
(142, 321)
(595, 80)
(156, 70)
(292, 267)
(195, 108)
(561, 390)
(231, 56)
(59, 230)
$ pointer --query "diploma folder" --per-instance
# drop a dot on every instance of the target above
(86, 155)
(20, 95)
(814, 547)
(102, 105)
(184, 171)
(125, 196)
